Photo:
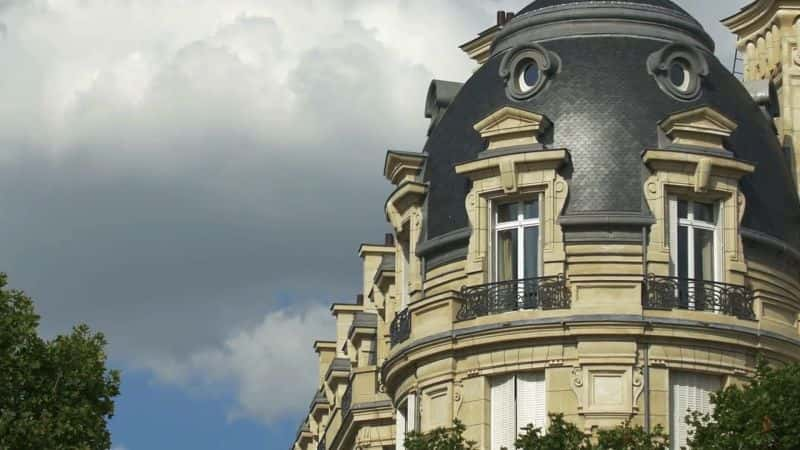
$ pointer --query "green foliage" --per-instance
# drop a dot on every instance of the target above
(627, 437)
(763, 415)
(440, 439)
(53, 394)
(561, 435)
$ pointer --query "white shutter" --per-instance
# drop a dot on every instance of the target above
(413, 413)
(690, 392)
(503, 411)
(531, 401)
(400, 427)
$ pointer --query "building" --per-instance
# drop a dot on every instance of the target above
(604, 222)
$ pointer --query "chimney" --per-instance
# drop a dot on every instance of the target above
(503, 17)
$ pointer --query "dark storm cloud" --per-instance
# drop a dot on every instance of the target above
(188, 179)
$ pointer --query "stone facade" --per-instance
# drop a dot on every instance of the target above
(603, 323)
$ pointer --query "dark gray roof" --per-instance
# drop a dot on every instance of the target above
(605, 107)
(339, 365)
(319, 399)
(541, 4)
(365, 320)
(387, 265)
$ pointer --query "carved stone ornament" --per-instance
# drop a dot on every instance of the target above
(576, 383)
(638, 385)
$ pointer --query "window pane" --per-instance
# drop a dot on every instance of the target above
(531, 252)
(531, 209)
(682, 264)
(506, 255)
(704, 255)
(704, 212)
(508, 212)
(683, 209)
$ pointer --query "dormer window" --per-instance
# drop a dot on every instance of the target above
(695, 252)
(516, 240)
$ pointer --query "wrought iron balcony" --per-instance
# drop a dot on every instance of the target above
(504, 296)
(668, 293)
(347, 400)
(400, 329)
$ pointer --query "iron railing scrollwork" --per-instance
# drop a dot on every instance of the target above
(347, 400)
(668, 293)
(531, 293)
(400, 329)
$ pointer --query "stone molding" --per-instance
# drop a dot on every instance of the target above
(700, 127)
(512, 175)
(509, 127)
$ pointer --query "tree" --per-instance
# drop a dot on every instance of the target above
(762, 415)
(627, 437)
(440, 439)
(54, 394)
(561, 435)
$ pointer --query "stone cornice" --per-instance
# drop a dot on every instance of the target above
(506, 166)
(320, 346)
(375, 249)
(704, 166)
(403, 166)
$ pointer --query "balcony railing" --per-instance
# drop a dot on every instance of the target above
(504, 296)
(400, 329)
(347, 400)
(668, 293)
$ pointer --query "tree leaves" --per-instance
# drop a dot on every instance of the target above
(53, 394)
(762, 415)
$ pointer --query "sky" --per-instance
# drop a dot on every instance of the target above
(193, 178)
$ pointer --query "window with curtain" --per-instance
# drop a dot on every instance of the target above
(516, 401)
(689, 392)
(516, 240)
(695, 246)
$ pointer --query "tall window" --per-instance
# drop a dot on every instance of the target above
(689, 392)
(516, 401)
(695, 247)
(406, 420)
(405, 276)
(516, 240)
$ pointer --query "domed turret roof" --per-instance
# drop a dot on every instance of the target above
(541, 4)
(605, 107)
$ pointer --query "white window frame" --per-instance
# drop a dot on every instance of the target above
(405, 269)
(691, 224)
(691, 382)
(520, 224)
(406, 420)
(518, 409)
